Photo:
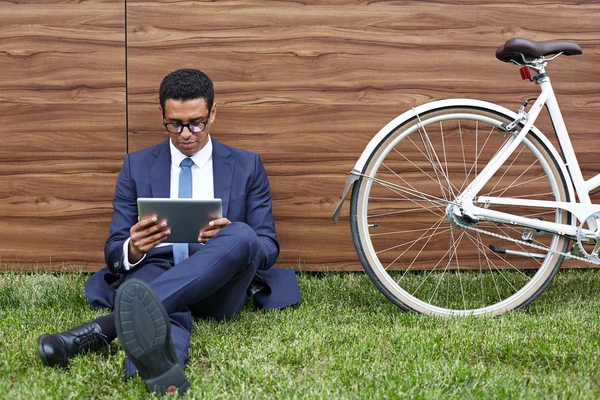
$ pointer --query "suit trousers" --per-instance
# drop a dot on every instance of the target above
(211, 283)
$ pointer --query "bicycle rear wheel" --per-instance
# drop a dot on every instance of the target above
(424, 262)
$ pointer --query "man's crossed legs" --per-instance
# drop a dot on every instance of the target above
(210, 283)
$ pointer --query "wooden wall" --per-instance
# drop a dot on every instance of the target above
(304, 83)
(62, 124)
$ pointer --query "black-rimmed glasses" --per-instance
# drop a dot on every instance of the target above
(194, 127)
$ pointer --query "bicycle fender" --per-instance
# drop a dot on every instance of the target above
(353, 177)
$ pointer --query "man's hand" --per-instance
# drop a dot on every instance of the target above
(145, 235)
(214, 227)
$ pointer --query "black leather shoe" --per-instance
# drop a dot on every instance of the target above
(58, 348)
(144, 332)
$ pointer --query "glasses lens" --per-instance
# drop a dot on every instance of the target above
(173, 128)
(197, 127)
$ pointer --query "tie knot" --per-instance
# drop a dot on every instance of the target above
(187, 162)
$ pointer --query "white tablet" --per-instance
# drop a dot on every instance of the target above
(185, 217)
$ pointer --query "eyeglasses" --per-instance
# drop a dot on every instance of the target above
(194, 127)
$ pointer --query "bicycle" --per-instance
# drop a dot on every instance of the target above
(492, 204)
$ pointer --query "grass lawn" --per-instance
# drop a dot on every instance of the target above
(345, 340)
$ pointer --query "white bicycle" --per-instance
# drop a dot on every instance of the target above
(463, 207)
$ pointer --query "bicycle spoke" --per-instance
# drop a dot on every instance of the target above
(445, 156)
(412, 210)
(432, 209)
(403, 232)
(415, 193)
(421, 250)
(436, 167)
(410, 242)
(528, 182)
(430, 149)
(512, 266)
(455, 245)
(403, 180)
(490, 263)
(507, 169)
(450, 252)
(513, 182)
(476, 161)
(482, 250)
(434, 262)
(427, 174)
(462, 148)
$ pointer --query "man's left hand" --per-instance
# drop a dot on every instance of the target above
(214, 227)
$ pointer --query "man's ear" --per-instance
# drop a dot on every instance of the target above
(213, 112)
(162, 113)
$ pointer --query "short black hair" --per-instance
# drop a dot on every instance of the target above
(186, 84)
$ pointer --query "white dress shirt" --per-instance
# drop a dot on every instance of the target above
(202, 184)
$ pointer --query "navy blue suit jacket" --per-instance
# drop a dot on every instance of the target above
(240, 181)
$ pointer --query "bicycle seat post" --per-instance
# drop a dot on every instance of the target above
(548, 98)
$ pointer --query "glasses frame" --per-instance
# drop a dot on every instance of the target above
(189, 125)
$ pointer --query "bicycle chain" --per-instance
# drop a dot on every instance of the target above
(535, 246)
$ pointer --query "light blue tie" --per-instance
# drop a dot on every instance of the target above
(181, 250)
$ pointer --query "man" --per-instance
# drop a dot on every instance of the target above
(162, 285)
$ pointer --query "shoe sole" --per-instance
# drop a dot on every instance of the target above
(144, 331)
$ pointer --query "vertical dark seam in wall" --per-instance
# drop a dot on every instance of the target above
(126, 88)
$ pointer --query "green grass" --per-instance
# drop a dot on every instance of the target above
(345, 340)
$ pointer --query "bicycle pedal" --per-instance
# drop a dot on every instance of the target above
(508, 252)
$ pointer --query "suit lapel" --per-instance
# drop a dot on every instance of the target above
(160, 172)
(222, 173)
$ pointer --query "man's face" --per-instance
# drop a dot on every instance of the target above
(186, 112)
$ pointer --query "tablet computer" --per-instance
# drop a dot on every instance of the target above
(185, 217)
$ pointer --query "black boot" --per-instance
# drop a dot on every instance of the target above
(58, 348)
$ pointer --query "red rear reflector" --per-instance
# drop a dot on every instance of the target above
(525, 73)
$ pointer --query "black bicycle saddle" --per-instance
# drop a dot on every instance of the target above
(513, 48)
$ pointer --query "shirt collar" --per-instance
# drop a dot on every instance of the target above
(200, 158)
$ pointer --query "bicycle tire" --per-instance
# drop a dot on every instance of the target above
(508, 282)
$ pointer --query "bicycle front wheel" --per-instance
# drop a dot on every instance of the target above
(422, 259)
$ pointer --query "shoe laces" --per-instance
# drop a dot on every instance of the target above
(91, 340)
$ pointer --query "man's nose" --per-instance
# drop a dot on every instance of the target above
(186, 132)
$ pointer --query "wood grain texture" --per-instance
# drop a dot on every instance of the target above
(62, 125)
(307, 83)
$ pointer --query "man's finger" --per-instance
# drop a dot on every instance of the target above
(152, 229)
(206, 235)
(159, 235)
(156, 242)
(210, 233)
(219, 222)
(148, 221)
(145, 243)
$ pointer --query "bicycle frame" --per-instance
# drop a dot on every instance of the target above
(582, 209)
(469, 203)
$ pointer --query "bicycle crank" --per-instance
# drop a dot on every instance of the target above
(585, 241)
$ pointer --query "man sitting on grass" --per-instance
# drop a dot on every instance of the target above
(163, 285)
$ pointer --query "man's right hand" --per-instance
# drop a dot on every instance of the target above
(145, 235)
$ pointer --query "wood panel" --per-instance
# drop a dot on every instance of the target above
(308, 83)
(304, 83)
(62, 126)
